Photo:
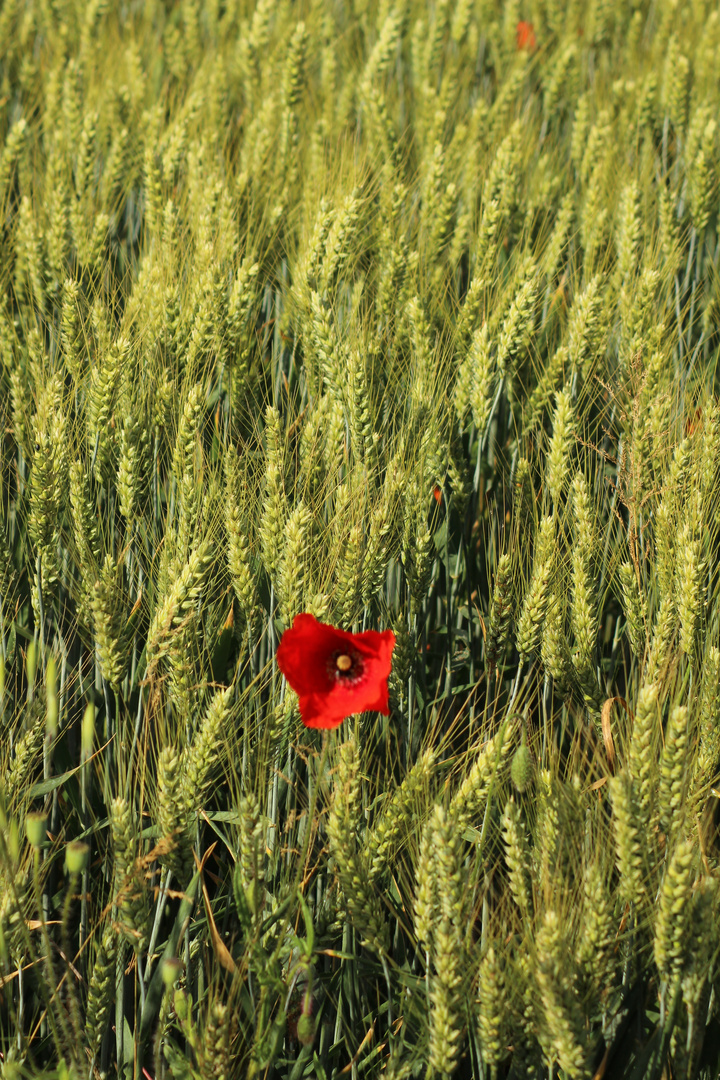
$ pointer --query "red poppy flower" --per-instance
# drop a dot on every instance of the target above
(333, 672)
(525, 35)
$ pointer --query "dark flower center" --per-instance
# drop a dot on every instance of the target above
(346, 667)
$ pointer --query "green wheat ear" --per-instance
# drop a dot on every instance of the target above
(171, 814)
(292, 577)
(129, 883)
(673, 912)
(501, 612)
(28, 750)
(108, 616)
(101, 990)
(561, 443)
(399, 814)
(628, 842)
(487, 768)
(273, 520)
(350, 860)
(239, 560)
(689, 584)
(440, 930)
(251, 864)
(532, 614)
(554, 649)
(202, 756)
(493, 1006)
(180, 599)
(708, 749)
(517, 856)
(634, 607)
(565, 1036)
(674, 769)
(642, 756)
(597, 936)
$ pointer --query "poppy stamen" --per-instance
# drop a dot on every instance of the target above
(343, 662)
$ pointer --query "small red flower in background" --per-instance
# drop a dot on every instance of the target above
(333, 672)
(525, 35)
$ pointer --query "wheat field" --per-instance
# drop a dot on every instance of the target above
(405, 315)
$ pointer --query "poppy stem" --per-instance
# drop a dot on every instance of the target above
(313, 793)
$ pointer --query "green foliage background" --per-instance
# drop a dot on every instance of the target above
(363, 309)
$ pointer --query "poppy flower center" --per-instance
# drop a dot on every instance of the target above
(345, 667)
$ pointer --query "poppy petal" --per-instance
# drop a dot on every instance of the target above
(303, 651)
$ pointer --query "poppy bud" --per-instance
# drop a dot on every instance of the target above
(36, 829)
(306, 1029)
(522, 768)
(170, 971)
(77, 855)
(525, 35)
